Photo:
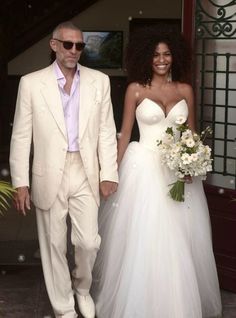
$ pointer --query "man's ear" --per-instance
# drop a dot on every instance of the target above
(53, 45)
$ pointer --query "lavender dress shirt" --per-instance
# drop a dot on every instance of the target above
(70, 107)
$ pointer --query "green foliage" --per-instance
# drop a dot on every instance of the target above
(169, 130)
(183, 127)
(6, 193)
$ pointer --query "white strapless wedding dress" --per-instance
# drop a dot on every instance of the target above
(156, 258)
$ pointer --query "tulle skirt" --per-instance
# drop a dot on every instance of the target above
(156, 258)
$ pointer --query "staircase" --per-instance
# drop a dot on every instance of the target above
(25, 22)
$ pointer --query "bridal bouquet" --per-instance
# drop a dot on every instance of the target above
(185, 154)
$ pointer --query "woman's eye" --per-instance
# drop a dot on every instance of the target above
(164, 54)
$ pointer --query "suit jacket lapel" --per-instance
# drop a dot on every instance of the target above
(87, 98)
(52, 98)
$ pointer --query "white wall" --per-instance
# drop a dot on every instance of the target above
(103, 15)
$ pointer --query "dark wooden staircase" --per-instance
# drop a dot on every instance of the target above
(23, 23)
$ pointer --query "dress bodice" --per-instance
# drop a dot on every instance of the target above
(153, 121)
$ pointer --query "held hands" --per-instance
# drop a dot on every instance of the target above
(188, 179)
(107, 188)
(22, 199)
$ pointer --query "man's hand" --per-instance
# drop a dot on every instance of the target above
(107, 188)
(188, 179)
(22, 199)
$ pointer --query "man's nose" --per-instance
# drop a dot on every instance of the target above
(73, 49)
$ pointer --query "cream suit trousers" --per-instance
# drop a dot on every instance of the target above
(74, 197)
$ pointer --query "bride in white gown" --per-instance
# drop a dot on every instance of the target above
(156, 258)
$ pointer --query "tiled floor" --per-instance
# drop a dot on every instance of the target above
(23, 294)
(22, 289)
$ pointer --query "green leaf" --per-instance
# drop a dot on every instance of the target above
(183, 127)
(169, 130)
(6, 192)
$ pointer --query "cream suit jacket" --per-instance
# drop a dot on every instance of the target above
(39, 119)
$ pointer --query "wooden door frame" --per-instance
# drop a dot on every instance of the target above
(188, 21)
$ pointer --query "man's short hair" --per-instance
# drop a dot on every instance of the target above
(64, 25)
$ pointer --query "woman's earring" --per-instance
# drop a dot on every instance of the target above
(169, 77)
(149, 82)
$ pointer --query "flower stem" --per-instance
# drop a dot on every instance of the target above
(177, 191)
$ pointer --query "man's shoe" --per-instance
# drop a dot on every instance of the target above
(86, 305)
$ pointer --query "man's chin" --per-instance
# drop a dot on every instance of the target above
(71, 64)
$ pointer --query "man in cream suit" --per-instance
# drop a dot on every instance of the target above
(64, 111)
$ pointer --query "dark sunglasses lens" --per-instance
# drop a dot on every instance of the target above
(80, 46)
(67, 45)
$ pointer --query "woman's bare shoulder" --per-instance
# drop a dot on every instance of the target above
(184, 88)
(134, 90)
(134, 86)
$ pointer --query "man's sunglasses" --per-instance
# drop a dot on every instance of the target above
(68, 45)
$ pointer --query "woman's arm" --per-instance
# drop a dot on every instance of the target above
(188, 94)
(130, 104)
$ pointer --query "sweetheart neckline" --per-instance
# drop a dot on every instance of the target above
(165, 115)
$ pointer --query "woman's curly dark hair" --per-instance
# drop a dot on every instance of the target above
(141, 48)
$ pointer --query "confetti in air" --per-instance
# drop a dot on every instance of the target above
(118, 135)
(5, 172)
(21, 258)
(188, 195)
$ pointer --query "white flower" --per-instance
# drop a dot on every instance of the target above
(186, 135)
(184, 154)
(196, 137)
(180, 120)
(190, 142)
(175, 149)
(207, 150)
(167, 139)
(179, 175)
(186, 158)
(194, 157)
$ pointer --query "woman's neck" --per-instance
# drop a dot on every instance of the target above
(159, 81)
